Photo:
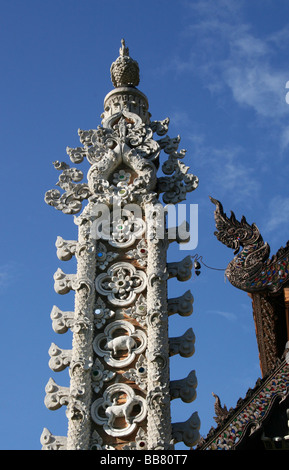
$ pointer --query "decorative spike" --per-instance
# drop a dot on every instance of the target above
(65, 248)
(180, 234)
(182, 305)
(183, 345)
(185, 389)
(60, 358)
(61, 321)
(182, 270)
(56, 396)
(187, 431)
(51, 442)
(63, 283)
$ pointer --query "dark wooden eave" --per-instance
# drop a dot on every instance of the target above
(270, 313)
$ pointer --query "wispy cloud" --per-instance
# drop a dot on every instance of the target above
(278, 214)
(253, 80)
(227, 315)
(228, 55)
(7, 274)
(228, 172)
(231, 175)
(3, 277)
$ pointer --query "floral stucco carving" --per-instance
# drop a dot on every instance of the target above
(100, 375)
(139, 373)
(121, 283)
(102, 314)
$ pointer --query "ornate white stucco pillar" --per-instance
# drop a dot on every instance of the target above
(78, 409)
(158, 396)
(120, 388)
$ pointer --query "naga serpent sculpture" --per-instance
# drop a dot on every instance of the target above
(251, 269)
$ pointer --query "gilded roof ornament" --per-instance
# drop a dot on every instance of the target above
(251, 269)
(124, 71)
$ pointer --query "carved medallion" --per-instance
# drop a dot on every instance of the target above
(118, 417)
(121, 283)
(120, 343)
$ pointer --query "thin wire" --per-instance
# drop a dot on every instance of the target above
(196, 257)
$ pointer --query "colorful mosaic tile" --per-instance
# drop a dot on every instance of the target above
(252, 412)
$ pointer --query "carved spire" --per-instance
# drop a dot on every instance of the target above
(124, 71)
(120, 388)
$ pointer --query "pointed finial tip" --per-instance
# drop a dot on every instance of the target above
(123, 51)
(124, 71)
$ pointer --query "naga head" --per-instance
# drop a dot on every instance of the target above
(235, 234)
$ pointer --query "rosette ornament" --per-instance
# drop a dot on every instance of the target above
(121, 283)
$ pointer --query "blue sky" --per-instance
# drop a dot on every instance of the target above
(218, 69)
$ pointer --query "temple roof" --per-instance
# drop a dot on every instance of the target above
(258, 421)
